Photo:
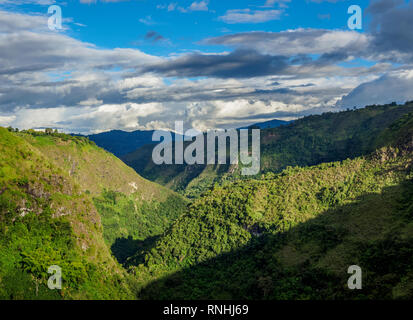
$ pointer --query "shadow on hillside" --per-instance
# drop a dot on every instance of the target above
(310, 261)
(123, 248)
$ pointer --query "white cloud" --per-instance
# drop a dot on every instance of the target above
(50, 79)
(250, 16)
(281, 3)
(297, 41)
(199, 6)
(20, 2)
(394, 86)
(147, 20)
(5, 121)
(195, 6)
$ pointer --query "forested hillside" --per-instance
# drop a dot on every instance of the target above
(307, 141)
(329, 137)
(57, 207)
(293, 235)
(286, 234)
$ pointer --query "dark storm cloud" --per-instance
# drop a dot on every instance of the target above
(237, 64)
(390, 37)
(381, 6)
(391, 27)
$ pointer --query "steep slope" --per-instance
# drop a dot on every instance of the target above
(189, 180)
(310, 261)
(46, 220)
(294, 234)
(132, 208)
(66, 202)
(307, 141)
(328, 137)
(92, 167)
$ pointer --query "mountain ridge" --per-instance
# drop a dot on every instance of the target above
(283, 235)
(307, 141)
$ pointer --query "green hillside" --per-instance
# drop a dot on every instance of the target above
(329, 137)
(55, 210)
(289, 233)
(293, 235)
(307, 141)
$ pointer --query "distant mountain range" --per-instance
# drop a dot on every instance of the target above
(269, 124)
(308, 141)
(121, 142)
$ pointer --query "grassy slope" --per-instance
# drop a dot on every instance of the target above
(46, 220)
(94, 168)
(64, 194)
(308, 141)
(132, 208)
(281, 236)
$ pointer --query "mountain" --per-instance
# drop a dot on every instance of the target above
(340, 194)
(308, 141)
(121, 142)
(268, 124)
(64, 201)
(294, 234)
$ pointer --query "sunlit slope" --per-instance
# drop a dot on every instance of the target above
(329, 137)
(132, 208)
(45, 220)
(278, 236)
(310, 261)
(94, 168)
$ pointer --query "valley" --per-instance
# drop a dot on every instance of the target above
(335, 190)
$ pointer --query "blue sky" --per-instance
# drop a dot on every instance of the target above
(124, 24)
(142, 64)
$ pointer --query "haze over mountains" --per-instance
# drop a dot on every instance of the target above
(307, 141)
(121, 142)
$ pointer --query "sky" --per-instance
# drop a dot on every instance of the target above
(144, 64)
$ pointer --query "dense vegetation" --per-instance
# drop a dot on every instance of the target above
(289, 233)
(50, 187)
(293, 235)
(128, 223)
(329, 137)
(310, 261)
(307, 141)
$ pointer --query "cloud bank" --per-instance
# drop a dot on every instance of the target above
(50, 79)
